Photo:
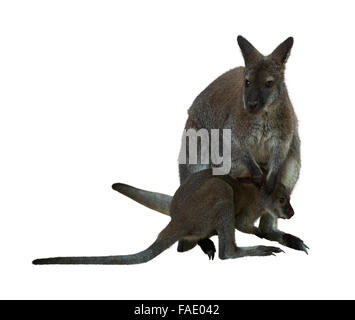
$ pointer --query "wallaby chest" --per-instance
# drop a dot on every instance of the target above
(260, 136)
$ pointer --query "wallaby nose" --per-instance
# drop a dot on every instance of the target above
(290, 214)
(252, 104)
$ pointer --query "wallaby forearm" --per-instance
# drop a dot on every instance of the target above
(277, 157)
(292, 165)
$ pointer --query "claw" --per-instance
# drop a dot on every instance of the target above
(210, 255)
(277, 250)
(207, 247)
(293, 242)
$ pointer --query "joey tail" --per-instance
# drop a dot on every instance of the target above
(156, 201)
(165, 239)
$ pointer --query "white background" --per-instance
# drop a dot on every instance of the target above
(96, 92)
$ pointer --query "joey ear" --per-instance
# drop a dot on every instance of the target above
(284, 189)
(250, 54)
(282, 52)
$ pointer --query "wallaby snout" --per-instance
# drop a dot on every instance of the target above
(288, 212)
(253, 106)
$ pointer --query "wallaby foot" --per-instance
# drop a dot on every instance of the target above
(226, 236)
(257, 251)
(208, 247)
(260, 251)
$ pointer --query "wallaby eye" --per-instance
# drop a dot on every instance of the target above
(269, 83)
(282, 200)
(247, 83)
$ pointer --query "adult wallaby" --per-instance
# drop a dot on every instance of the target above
(203, 206)
(253, 102)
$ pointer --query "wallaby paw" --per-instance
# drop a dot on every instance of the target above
(211, 254)
(258, 251)
(267, 251)
(208, 248)
(295, 243)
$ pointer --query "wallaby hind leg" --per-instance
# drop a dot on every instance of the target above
(226, 236)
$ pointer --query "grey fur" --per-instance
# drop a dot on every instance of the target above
(205, 205)
(156, 201)
(263, 139)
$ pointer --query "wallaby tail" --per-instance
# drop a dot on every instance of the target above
(165, 239)
(156, 201)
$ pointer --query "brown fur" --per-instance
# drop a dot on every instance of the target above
(265, 139)
(221, 105)
(203, 206)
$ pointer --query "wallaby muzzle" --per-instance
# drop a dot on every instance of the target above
(289, 213)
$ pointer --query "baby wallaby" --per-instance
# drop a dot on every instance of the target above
(205, 205)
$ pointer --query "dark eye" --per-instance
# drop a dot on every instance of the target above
(282, 200)
(269, 84)
(247, 83)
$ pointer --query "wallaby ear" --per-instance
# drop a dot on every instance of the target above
(285, 189)
(282, 52)
(250, 54)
